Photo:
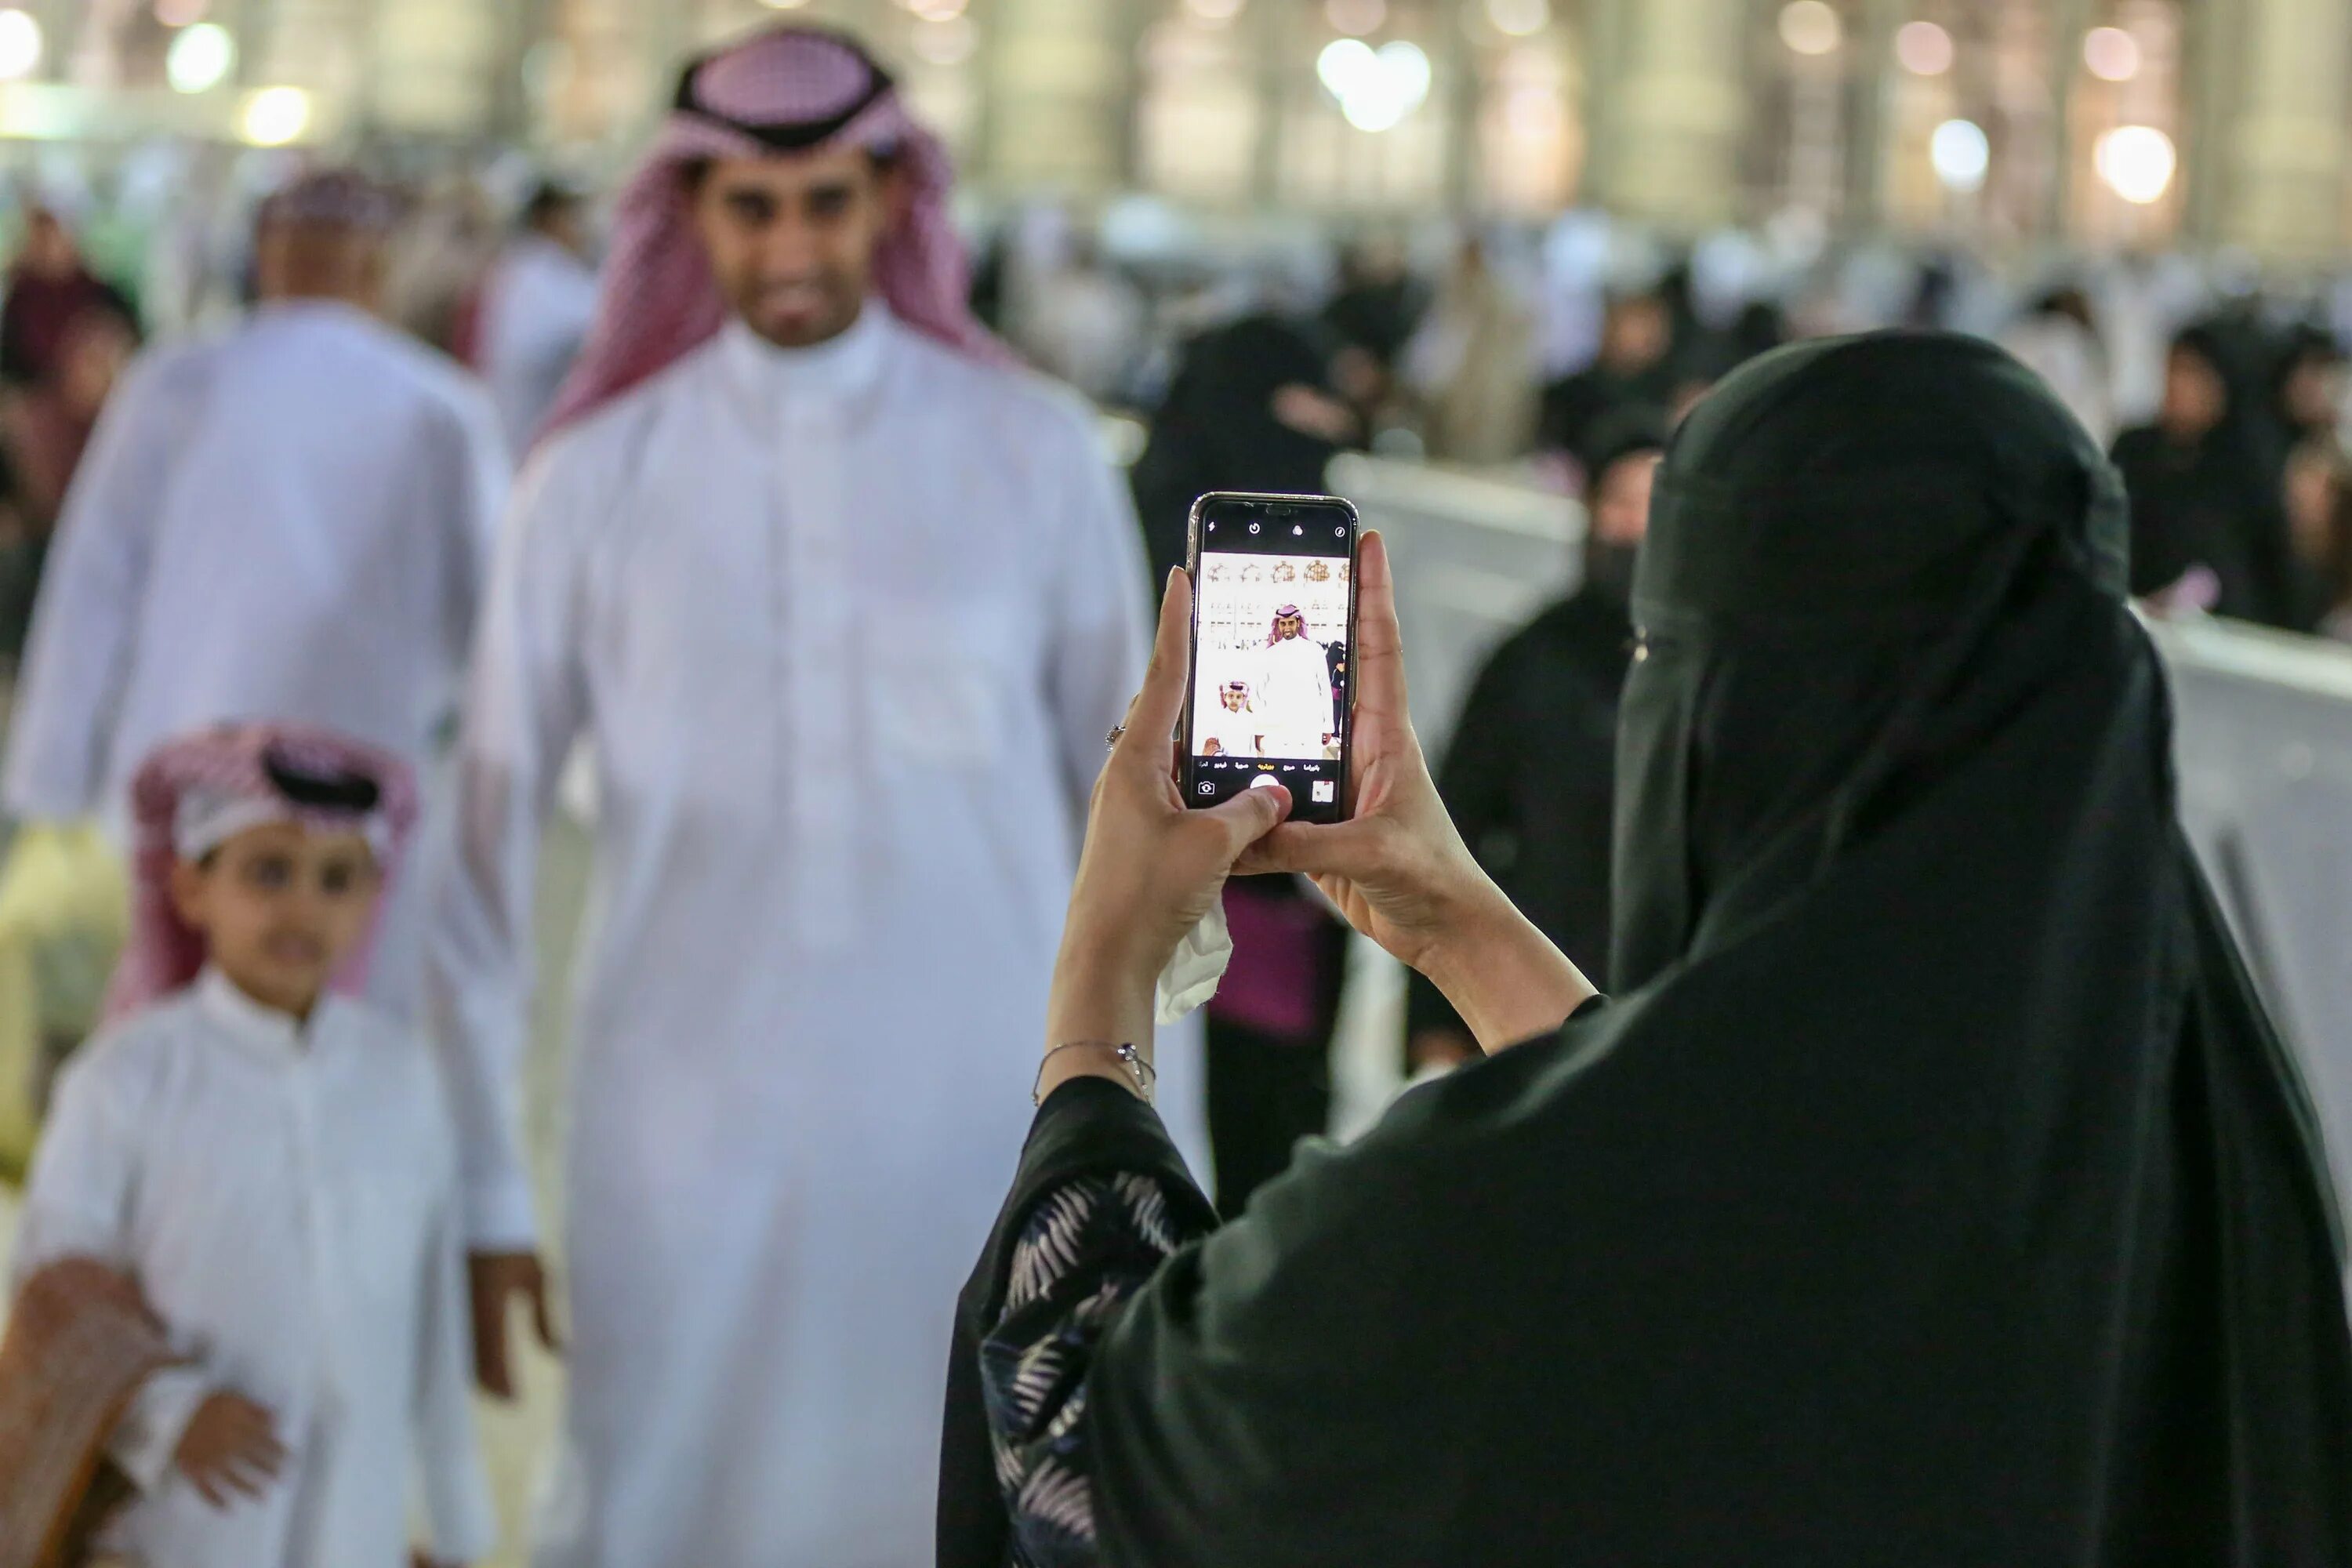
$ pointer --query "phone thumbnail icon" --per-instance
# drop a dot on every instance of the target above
(1326, 791)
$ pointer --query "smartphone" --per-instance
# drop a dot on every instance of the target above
(1272, 696)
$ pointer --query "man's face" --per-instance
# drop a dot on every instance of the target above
(1286, 628)
(791, 239)
(280, 907)
(1233, 699)
(1621, 500)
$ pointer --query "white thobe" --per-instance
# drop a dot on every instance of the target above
(1292, 698)
(289, 523)
(845, 628)
(535, 309)
(286, 1195)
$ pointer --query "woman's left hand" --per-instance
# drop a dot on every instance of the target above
(1152, 869)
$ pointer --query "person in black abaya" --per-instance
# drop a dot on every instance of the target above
(2207, 523)
(1253, 406)
(1635, 368)
(1934, 1192)
(1528, 777)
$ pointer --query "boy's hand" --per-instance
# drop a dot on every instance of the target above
(230, 1449)
(496, 1279)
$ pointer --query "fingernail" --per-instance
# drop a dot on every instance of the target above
(1170, 586)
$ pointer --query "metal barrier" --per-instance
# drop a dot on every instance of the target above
(2262, 733)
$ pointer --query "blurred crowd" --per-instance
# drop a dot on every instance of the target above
(1560, 357)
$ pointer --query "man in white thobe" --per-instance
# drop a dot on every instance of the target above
(535, 308)
(845, 606)
(1294, 690)
(291, 522)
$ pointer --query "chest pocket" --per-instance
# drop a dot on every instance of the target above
(938, 675)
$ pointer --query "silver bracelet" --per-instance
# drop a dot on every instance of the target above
(1138, 1067)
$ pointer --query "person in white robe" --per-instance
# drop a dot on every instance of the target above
(844, 603)
(1294, 690)
(272, 1164)
(535, 308)
(289, 522)
(1229, 726)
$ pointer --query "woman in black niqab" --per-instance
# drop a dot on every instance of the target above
(1936, 1192)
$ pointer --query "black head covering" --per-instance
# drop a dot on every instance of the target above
(1936, 1195)
(1216, 430)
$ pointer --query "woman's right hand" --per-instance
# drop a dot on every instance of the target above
(1397, 869)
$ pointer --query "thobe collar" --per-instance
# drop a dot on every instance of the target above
(313, 307)
(263, 1030)
(841, 369)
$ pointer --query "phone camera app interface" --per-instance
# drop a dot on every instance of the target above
(1269, 693)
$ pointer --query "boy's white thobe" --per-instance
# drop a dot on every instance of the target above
(286, 1196)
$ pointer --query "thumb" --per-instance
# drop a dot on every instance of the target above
(1250, 816)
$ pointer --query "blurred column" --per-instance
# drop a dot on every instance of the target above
(2289, 162)
(431, 64)
(1672, 153)
(1060, 91)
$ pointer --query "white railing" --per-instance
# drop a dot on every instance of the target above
(2263, 741)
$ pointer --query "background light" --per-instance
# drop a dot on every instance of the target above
(20, 44)
(784, 5)
(1519, 18)
(1960, 153)
(2137, 161)
(1376, 88)
(276, 116)
(200, 59)
(1214, 10)
(1355, 18)
(948, 41)
(1922, 49)
(1811, 27)
(937, 10)
(2111, 54)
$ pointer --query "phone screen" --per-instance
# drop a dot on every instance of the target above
(1274, 615)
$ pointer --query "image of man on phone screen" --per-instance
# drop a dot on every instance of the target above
(1295, 690)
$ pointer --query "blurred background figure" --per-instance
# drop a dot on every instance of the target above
(1375, 307)
(291, 522)
(531, 309)
(1529, 773)
(45, 425)
(442, 246)
(1085, 323)
(50, 289)
(1254, 406)
(1633, 369)
(1471, 364)
(2318, 490)
(2207, 530)
(2058, 338)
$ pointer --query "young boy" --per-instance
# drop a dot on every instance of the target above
(270, 1162)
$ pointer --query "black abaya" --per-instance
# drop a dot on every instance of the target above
(1936, 1193)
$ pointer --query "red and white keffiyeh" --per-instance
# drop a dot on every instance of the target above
(784, 90)
(194, 792)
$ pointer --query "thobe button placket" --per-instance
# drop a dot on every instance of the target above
(821, 674)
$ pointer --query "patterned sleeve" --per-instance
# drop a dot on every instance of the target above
(1087, 1247)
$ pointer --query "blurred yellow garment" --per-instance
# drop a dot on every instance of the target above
(63, 913)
